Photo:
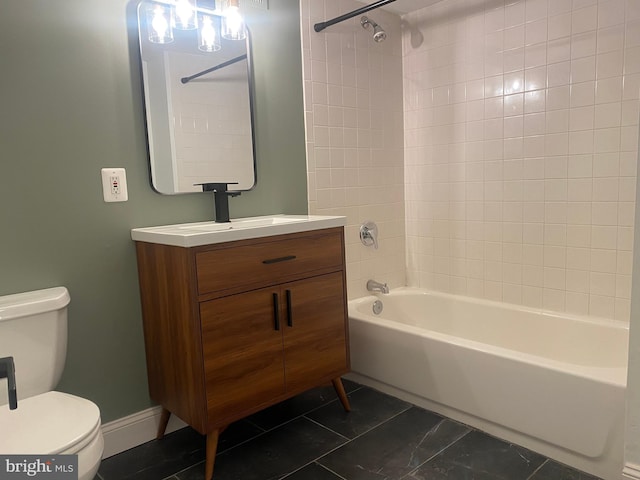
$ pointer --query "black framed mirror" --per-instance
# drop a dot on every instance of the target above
(198, 94)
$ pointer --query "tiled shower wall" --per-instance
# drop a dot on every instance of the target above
(354, 125)
(521, 137)
(520, 145)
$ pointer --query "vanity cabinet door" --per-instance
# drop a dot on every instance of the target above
(242, 351)
(315, 338)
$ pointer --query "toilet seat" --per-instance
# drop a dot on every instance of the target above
(51, 423)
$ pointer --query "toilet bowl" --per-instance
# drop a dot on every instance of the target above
(46, 422)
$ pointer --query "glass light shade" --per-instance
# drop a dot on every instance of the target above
(185, 14)
(209, 33)
(159, 23)
(232, 22)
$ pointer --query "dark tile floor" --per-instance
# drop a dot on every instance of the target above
(310, 437)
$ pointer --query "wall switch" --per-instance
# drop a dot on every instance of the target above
(114, 185)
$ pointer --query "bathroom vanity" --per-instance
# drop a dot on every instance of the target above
(239, 316)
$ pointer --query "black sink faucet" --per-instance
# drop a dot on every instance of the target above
(221, 199)
(8, 371)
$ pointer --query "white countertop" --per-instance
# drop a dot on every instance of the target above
(205, 233)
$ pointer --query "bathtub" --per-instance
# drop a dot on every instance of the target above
(550, 382)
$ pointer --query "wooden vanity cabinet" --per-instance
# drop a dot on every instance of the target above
(235, 327)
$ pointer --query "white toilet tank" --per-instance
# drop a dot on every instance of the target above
(33, 330)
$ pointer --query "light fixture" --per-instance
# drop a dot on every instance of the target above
(185, 14)
(164, 17)
(208, 33)
(232, 21)
(159, 23)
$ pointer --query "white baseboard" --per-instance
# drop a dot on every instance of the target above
(631, 471)
(134, 430)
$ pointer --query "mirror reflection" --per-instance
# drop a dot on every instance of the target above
(196, 69)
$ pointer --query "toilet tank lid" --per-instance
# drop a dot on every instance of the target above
(32, 303)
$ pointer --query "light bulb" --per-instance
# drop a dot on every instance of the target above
(233, 23)
(185, 14)
(208, 38)
(159, 27)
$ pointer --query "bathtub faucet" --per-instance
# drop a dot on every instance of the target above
(374, 286)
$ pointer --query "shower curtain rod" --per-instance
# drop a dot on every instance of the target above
(213, 69)
(318, 27)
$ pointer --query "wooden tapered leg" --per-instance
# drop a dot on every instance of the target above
(342, 395)
(212, 448)
(164, 420)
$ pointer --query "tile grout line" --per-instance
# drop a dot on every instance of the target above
(264, 431)
(349, 440)
(537, 469)
(469, 430)
(343, 444)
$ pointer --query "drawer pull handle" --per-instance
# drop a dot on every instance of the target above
(279, 259)
(289, 309)
(276, 312)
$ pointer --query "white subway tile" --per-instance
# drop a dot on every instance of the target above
(559, 26)
(532, 296)
(584, 19)
(583, 45)
(609, 90)
(604, 213)
(605, 189)
(554, 278)
(559, 50)
(553, 299)
(578, 281)
(610, 64)
(583, 69)
(559, 6)
(579, 190)
(603, 237)
(580, 166)
(602, 284)
(632, 60)
(611, 39)
(579, 220)
(601, 306)
(514, 14)
(577, 303)
(625, 262)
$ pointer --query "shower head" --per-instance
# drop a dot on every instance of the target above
(378, 33)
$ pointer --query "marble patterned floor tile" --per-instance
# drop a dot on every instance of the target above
(395, 448)
(299, 405)
(555, 471)
(478, 456)
(272, 455)
(156, 459)
(369, 408)
(313, 471)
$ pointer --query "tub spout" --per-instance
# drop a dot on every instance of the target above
(374, 286)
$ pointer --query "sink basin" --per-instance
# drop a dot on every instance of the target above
(243, 223)
(205, 233)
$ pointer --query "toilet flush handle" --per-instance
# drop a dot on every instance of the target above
(8, 371)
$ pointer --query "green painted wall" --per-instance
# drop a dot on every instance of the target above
(71, 104)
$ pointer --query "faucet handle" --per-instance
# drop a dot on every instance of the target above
(369, 234)
(8, 371)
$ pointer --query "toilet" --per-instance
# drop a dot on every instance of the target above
(33, 330)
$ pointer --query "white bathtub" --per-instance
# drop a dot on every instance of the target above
(549, 382)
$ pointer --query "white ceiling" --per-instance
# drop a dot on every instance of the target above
(403, 6)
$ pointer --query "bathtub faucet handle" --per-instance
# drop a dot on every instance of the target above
(8, 371)
(369, 234)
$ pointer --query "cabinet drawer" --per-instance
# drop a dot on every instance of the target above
(268, 262)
